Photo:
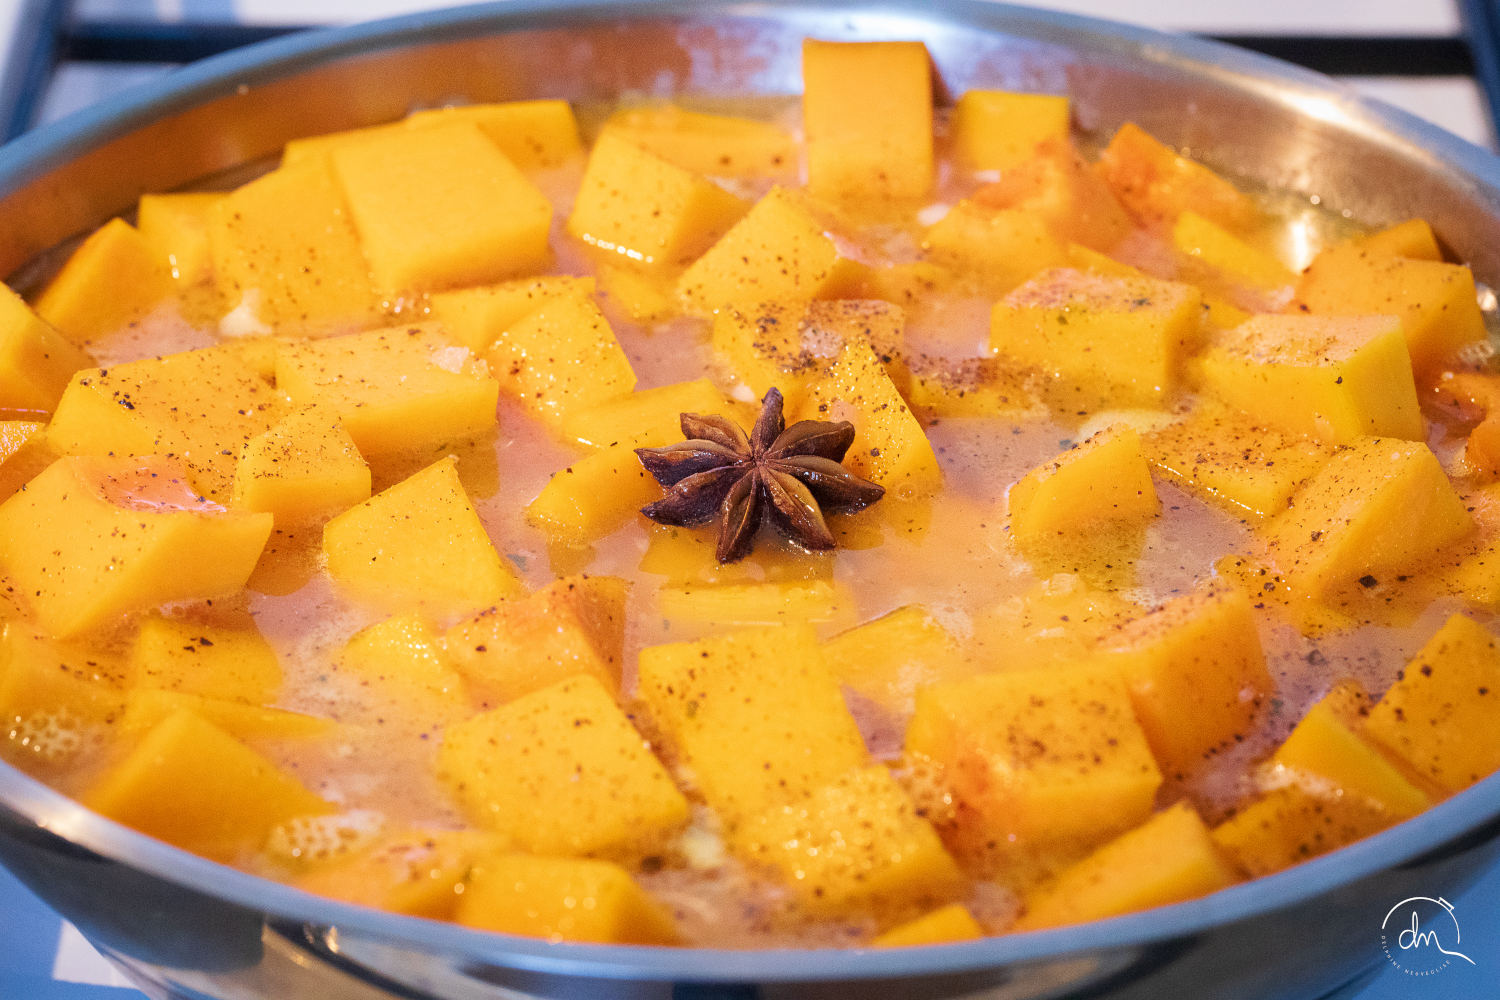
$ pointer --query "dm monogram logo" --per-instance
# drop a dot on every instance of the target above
(1420, 936)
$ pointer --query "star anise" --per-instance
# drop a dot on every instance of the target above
(795, 473)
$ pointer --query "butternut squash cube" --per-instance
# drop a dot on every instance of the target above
(1168, 859)
(561, 357)
(887, 660)
(422, 873)
(974, 387)
(145, 708)
(93, 538)
(1157, 185)
(1000, 129)
(649, 417)
(644, 209)
(945, 925)
(175, 226)
(1215, 257)
(574, 625)
(1435, 301)
(1055, 185)
(779, 251)
(396, 390)
(193, 785)
(1196, 674)
(855, 843)
(1000, 247)
(1109, 340)
(24, 453)
(1323, 754)
(1244, 465)
(476, 317)
(686, 556)
(786, 345)
(890, 447)
(712, 144)
(763, 602)
(1377, 507)
(1039, 756)
(1412, 238)
(593, 496)
(304, 467)
(756, 715)
(534, 135)
(286, 255)
(561, 771)
(200, 407)
(562, 899)
(235, 664)
(418, 544)
(1104, 480)
(56, 699)
(1288, 825)
(442, 207)
(404, 673)
(36, 362)
(1447, 695)
(867, 117)
(1335, 378)
(113, 279)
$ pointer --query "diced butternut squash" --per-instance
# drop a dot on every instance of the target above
(1216, 258)
(476, 317)
(712, 144)
(888, 659)
(755, 714)
(403, 672)
(1336, 378)
(1000, 247)
(779, 251)
(399, 390)
(200, 407)
(643, 295)
(1377, 507)
(1448, 695)
(1039, 756)
(145, 708)
(769, 602)
(418, 544)
(890, 446)
(787, 345)
(855, 843)
(1158, 185)
(867, 116)
(1230, 458)
(1058, 621)
(417, 872)
(593, 496)
(93, 538)
(562, 771)
(1109, 340)
(574, 625)
(193, 785)
(650, 417)
(1104, 480)
(1168, 859)
(999, 129)
(56, 700)
(304, 467)
(561, 357)
(945, 925)
(442, 207)
(175, 226)
(686, 556)
(113, 279)
(36, 362)
(1435, 301)
(647, 210)
(1288, 825)
(1196, 674)
(562, 899)
(1325, 756)
(1055, 185)
(236, 664)
(534, 135)
(1413, 238)
(974, 387)
(286, 256)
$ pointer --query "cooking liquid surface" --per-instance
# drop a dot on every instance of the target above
(949, 554)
